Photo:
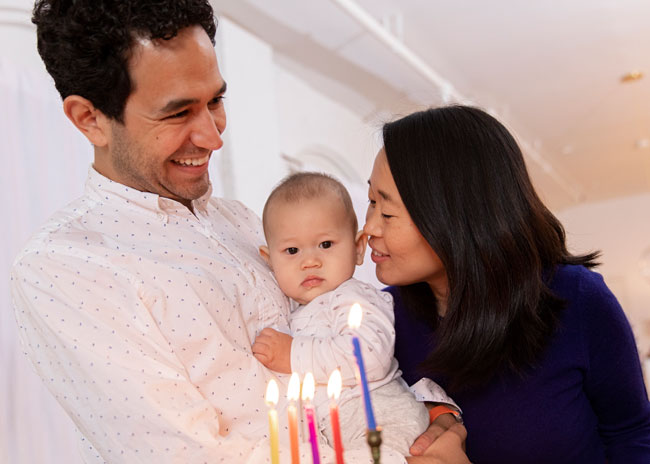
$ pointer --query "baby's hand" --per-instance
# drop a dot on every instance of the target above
(273, 349)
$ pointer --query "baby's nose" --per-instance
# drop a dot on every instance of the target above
(310, 262)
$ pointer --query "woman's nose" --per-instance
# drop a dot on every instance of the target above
(372, 225)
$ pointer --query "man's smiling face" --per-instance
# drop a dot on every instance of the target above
(173, 119)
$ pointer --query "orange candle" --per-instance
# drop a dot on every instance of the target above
(293, 392)
(334, 391)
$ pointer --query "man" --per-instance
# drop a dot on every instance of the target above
(139, 301)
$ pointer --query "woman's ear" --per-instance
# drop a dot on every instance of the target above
(361, 241)
(89, 120)
(266, 256)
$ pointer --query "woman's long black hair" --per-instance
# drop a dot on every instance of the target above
(464, 182)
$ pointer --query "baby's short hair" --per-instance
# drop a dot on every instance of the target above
(306, 186)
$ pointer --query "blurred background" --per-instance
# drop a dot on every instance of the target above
(310, 83)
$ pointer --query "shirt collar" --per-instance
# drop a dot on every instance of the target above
(107, 189)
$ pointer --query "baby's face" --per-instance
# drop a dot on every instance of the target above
(312, 247)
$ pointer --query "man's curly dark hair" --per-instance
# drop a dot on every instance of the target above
(86, 44)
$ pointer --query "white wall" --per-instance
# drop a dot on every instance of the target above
(44, 163)
(326, 136)
(17, 36)
(310, 122)
(621, 229)
(250, 163)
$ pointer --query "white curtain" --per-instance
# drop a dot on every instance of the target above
(44, 163)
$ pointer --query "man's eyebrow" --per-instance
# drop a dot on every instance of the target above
(175, 105)
(381, 193)
(222, 90)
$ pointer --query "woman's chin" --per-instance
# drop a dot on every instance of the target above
(385, 278)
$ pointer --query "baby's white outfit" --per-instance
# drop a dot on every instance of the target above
(323, 341)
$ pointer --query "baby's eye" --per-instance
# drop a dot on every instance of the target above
(292, 250)
(326, 244)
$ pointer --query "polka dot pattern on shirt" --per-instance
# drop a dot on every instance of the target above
(139, 317)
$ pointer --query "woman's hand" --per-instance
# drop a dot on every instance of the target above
(442, 423)
(447, 448)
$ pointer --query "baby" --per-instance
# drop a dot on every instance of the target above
(313, 247)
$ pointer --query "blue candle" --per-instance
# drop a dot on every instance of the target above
(354, 320)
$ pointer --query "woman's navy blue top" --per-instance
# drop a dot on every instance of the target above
(585, 402)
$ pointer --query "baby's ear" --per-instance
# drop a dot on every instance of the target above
(264, 253)
(361, 240)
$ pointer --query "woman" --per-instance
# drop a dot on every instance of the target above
(490, 304)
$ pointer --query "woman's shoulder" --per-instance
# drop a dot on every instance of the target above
(394, 292)
(571, 282)
(588, 299)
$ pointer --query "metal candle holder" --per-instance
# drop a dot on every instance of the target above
(374, 442)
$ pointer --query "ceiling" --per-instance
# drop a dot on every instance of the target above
(550, 70)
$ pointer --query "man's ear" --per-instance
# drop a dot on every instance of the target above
(89, 120)
(264, 253)
(361, 241)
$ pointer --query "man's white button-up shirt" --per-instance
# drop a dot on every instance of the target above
(139, 316)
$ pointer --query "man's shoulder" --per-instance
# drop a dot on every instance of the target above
(238, 219)
(233, 210)
(67, 219)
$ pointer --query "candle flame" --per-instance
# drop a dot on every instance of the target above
(334, 385)
(272, 393)
(293, 392)
(308, 387)
(354, 317)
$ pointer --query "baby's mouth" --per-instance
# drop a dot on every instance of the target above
(312, 281)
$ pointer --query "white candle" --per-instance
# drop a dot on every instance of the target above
(272, 394)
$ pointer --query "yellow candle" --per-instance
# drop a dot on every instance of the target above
(272, 394)
(293, 392)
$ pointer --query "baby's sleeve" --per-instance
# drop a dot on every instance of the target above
(331, 348)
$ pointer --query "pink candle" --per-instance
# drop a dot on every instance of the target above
(292, 394)
(308, 388)
(333, 391)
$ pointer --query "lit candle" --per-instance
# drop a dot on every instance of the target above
(333, 391)
(308, 388)
(292, 394)
(354, 321)
(272, 394)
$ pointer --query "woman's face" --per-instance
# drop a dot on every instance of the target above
(399, 250)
